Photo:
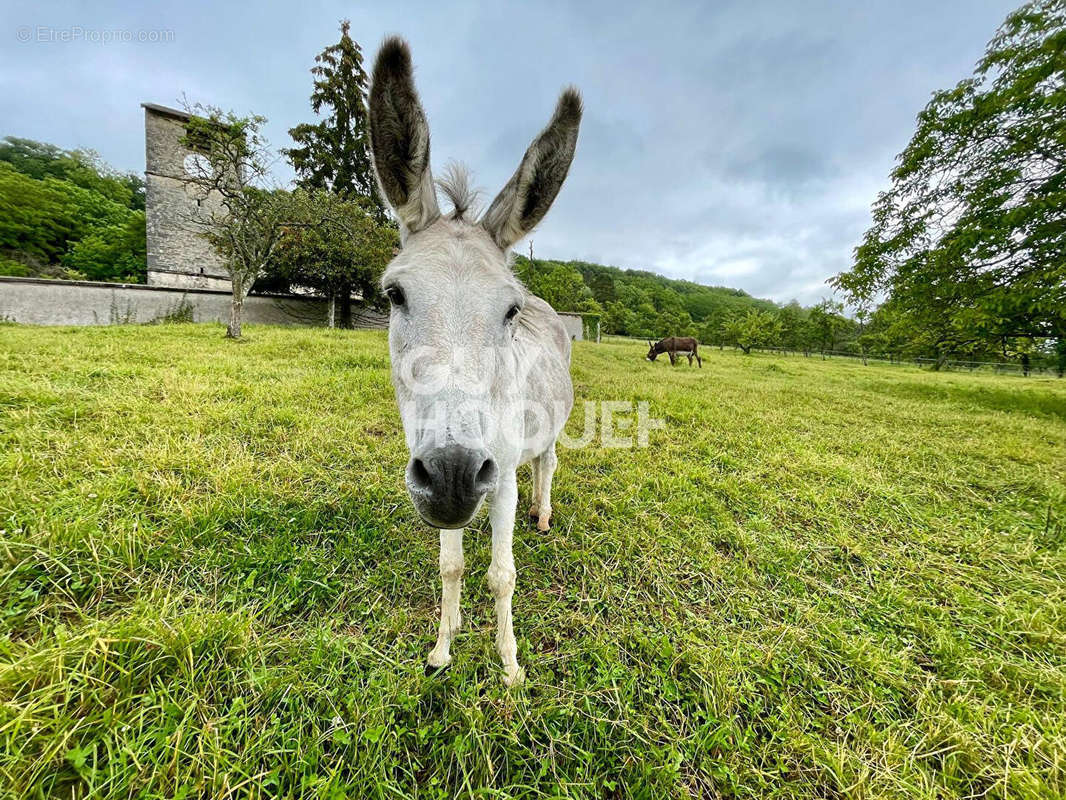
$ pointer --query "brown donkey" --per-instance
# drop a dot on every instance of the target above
(673, 346)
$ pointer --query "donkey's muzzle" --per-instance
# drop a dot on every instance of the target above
(447, 484)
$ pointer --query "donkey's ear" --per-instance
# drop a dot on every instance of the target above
(526, 198)
(399, 138)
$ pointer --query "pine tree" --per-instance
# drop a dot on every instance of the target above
(334, 153)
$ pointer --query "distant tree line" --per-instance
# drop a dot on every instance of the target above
(650, 306)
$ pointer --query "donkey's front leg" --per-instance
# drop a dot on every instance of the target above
(501, 574)
(451, 576)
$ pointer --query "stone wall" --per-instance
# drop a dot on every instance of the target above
(35, 301)
(183, 280)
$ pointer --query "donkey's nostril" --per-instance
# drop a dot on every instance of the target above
(486, 476)
(447, 484)
(420, 475)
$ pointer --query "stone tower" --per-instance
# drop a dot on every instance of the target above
(177, 255)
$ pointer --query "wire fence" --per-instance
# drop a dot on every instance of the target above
(958, 365)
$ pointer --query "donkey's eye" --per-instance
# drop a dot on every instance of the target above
(395, 295)
(512, 312)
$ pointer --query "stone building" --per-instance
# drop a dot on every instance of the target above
(178, 256)
(184, 272)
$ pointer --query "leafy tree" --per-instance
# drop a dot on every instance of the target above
(334, 246)
(83, 168)
(111, 252)
(602, 286)
(712, 333)
(9, 266)
(239, 213)
(632, 296)
(827, 323)
(37, 217)
(334, 153)
(646, 323)
(895, 333)
(968, 241)
(39, 160)
(44, 224)
(753, 329)
(701, 303)
(617, 318)
(560, 285)
(1022, 349)
(795, 327)
(647, 305)
(673, 320)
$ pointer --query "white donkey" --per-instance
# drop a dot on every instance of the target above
(481, 368)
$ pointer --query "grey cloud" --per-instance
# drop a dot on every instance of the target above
(736, 142)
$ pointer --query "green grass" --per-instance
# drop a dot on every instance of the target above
(819, 581)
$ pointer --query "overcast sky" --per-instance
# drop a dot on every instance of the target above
(730, 143)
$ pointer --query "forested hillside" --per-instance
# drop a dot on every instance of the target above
(650, 306)
(66, 214)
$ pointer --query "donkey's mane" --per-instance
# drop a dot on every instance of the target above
(456, 187)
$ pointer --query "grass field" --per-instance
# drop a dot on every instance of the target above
(819, 581)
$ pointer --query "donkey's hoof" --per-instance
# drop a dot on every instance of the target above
(437, 663)
(514, 676)
(432, 671)
(534, 512)
(544, 524)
